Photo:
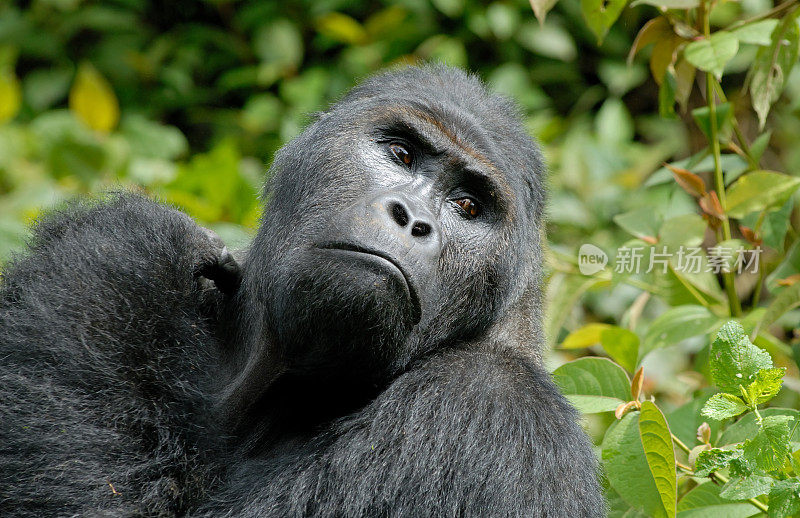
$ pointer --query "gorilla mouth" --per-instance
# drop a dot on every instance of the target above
(416, 309)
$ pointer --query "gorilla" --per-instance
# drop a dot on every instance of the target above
(375, 352)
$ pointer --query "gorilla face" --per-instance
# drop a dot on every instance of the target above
(414, 227)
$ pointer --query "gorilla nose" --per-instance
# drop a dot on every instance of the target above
(410, 217)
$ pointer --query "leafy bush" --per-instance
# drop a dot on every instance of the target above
(712, 238)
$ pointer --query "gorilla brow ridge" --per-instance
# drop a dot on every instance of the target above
(411, 117)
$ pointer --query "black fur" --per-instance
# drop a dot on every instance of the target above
(351, 368)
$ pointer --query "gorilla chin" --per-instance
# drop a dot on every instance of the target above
(354, 319)
(381, 264)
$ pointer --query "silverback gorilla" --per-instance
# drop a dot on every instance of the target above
(375, 352)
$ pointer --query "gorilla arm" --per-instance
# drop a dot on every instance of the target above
(464, 433)
(104, 340)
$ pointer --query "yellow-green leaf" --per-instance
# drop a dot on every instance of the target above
(723, 406)
(658, 449)
(586, 336)
(342, 28)
(92, 100)
(10, 95)
(626, 466)
(759, 190)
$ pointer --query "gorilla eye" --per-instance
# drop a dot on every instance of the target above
(401, 153)
(469, 206)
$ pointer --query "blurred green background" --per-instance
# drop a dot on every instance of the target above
(189, 100)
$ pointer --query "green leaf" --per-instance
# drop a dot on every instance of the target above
(770, 446)
(766, 385)
(600, 15)
(614, 123)
(712, 54)
(789, 265)
(45, 87)
(550, 40)
(593, 384)
(722, 406)
(759, 145)
(703, 119)
(787, 298)
(280, 44)
(563, 291)
(503, 20)
(342, 28)
(668, 4)
(772, 66)
(784, 498)
(92, 100)
(658, 449)
(666, 96)
(586, 336)
(756, 33)
(677, 324)
(452, 8)
(734, 360)
(622, 345)
(713, 460)
(775, 224)
(627, 468)
(10, 94)
(619, 508)
(704, 502)
(759, 190)
(747, 426)
(444, 49)
(643, 222)
(739, 488)
(153, 140)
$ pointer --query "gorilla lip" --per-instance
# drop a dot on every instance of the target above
(412, 292)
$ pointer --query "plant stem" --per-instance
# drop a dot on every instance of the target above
(680, 443)
(768, 14)
(759, 419)
(719, 181)
(736, 130)
(757, 291)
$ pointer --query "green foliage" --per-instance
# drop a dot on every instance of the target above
(689, 272)
(735, 361)
(593, 384)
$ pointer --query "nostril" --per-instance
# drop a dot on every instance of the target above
(399, 214)
(420, 229)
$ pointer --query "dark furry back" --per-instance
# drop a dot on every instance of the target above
(101, 340)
